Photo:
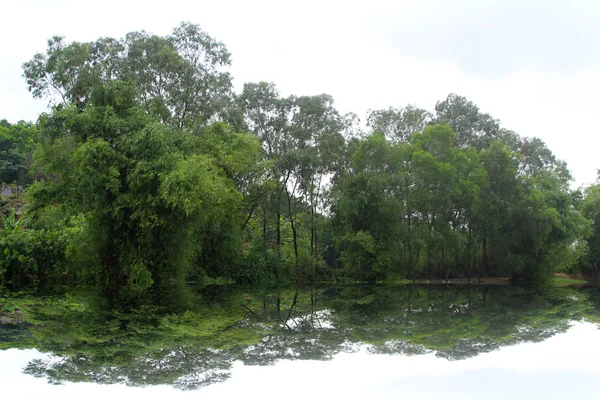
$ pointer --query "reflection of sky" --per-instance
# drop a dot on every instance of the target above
(563, 367)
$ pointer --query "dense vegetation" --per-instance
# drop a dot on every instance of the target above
(148, 171)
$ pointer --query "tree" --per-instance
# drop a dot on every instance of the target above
(590, 209)
(17, 142)
(301, 136)
(535, 156)
(316, 130)
(139, 165)
(399, 124)
(145, 189)
(430, 208)
(266, 115)
(241, 161)
(472, 127)
(368, 210)
(179, 78)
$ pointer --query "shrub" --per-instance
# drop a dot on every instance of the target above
(31, 257)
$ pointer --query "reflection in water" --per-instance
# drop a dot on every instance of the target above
(198, 348)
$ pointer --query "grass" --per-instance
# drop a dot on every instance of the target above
(560, 280)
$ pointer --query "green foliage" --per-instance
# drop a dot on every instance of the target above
(399, 124)
(565, 281)
(431, 208)
(178, 78)
(11, 222)
(590, 208)
(17, 142)
(144, 189)
(143, 167)
(31, 256)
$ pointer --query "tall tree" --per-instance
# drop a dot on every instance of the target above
(316, 131)
(472, 127)
(144, 188)
(399, 123)
(180, 78)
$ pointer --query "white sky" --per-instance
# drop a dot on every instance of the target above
(532, 64)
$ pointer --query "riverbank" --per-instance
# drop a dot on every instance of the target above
(559, 279)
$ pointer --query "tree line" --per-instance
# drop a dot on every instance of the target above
(149, 170)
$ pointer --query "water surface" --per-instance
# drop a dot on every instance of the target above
(328, 342)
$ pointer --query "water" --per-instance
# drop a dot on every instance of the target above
(329, 342)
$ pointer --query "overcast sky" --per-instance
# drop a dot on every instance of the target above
(532, 64)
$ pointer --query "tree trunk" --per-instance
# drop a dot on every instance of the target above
(483, 256)
(249, 216)
(278, 223)
(293, 231)
(278, 227)
(446, 264)
(264, 224)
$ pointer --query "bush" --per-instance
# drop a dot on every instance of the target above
(31, 257)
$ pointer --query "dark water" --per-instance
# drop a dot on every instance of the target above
(328, 342)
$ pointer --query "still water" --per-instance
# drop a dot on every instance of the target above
(374, 342)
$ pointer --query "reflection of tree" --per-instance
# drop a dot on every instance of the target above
(195, 349)
(184, 368)
(458, 323)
